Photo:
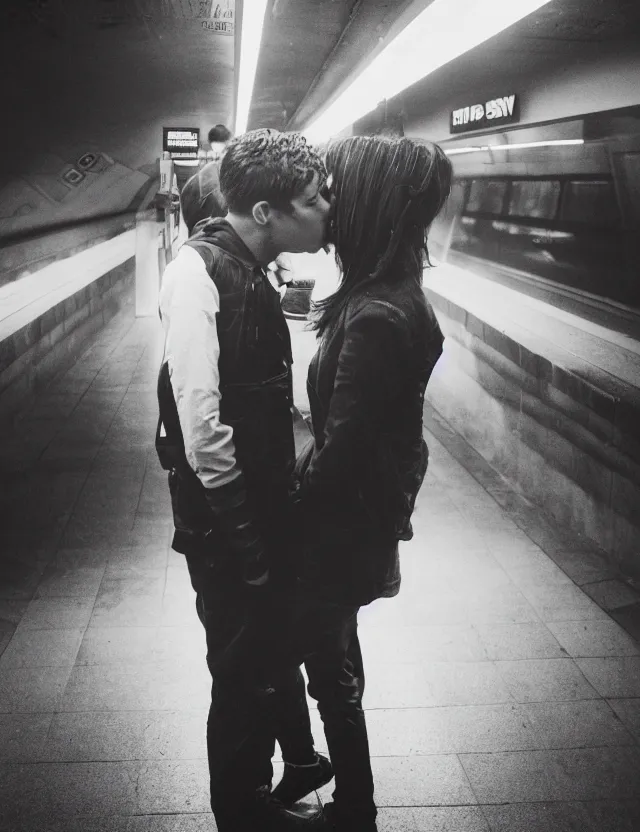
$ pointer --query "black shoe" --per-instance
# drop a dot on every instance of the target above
(335, 825)
(298, 781)
(266, 814)
(274, 816)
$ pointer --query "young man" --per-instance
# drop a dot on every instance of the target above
(226, 437)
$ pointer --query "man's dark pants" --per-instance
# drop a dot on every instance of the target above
(256, 642)
(257, 639)
(244, 627)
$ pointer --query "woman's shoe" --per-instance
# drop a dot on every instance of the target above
(263, 813)
(298, 781)
(334, 824)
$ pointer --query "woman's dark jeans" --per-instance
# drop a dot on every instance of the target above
(326, 640)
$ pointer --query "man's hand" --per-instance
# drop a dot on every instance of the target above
(256, 570)
(235, 520)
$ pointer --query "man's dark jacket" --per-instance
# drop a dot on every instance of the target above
(255, 387)
(360, 479)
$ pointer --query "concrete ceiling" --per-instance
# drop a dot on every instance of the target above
(106, 75)
(309, 47)
(114, 70)
(111, 73)
(561, 30)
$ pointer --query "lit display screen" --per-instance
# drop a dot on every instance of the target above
(181, 142)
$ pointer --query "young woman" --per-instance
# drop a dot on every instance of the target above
(378, 343)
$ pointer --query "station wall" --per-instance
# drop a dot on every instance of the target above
(566, 438)
(90, 87)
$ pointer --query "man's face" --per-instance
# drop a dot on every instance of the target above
(304, 227)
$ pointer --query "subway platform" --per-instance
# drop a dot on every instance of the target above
(503, 683)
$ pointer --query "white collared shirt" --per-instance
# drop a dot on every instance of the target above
(189, 303)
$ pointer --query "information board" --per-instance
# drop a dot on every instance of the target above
(181, 142)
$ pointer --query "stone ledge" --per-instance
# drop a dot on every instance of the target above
(39, 250)
(585, 563)
(605, 406)
(33, 355)
(574, 463)
(66, 313)
(584, 383)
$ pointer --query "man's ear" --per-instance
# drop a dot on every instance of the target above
(261, 212)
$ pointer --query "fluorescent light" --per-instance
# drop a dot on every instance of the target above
(252, 23)
(550, 143)
(454, 151)
(440, 33)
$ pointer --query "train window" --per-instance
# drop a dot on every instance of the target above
(486, 196)
(456, 197)
(591, 202)
(534, 198)
(631, 170)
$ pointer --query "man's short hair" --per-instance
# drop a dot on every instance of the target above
(201, 198)
(268, 165)
(219, 133)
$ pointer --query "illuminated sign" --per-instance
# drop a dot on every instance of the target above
(492, 113)
(181, 142)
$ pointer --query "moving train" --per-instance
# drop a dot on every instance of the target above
(551, 210)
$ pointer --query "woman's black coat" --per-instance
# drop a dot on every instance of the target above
(360, 478)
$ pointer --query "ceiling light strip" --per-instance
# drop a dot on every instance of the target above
(443, 31)
(252, 24)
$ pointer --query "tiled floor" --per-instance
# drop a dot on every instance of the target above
(500, 697)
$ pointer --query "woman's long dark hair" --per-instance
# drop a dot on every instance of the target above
(388, 191)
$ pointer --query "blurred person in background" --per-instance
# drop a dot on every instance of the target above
(218, 138)
(201, 197)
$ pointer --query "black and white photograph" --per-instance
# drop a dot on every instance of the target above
(320, 416)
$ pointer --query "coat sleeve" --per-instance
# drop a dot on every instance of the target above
(189, 306)
(368, 379)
